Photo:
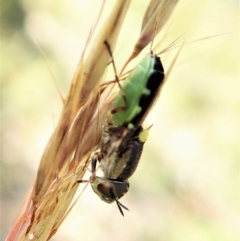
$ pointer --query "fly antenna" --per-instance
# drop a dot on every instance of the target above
(120, 206)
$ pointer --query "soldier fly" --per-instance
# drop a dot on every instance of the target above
(119, 156)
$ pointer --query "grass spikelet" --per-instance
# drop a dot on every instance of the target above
(156, 16)
(160, 10)
(76, 135)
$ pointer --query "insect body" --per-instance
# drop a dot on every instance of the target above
(139, 91)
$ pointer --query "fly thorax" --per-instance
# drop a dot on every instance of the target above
(107, 163)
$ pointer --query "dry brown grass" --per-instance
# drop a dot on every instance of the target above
(78, 132)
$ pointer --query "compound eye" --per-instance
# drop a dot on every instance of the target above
(112, 190)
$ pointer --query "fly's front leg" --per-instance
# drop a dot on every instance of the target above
(94, 159)
(97, 157)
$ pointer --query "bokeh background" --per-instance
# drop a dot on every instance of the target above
(187, 184)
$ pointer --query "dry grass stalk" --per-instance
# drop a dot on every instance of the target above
(76, 136)
(156, 16)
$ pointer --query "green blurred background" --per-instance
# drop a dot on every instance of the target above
(187, 184)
